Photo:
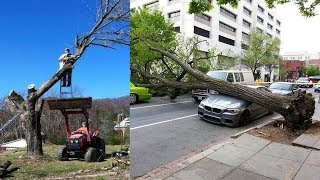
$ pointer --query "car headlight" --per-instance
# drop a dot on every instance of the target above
(232, 111)
(201, 105)
(76, 141)
(71, 141)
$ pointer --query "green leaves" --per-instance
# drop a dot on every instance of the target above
(262, 51)
(199, 6)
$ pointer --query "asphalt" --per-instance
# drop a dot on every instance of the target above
(246, 157)
(164, 130)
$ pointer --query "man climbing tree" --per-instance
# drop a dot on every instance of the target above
(109, 29)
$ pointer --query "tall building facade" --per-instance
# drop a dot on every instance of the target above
(224, 27)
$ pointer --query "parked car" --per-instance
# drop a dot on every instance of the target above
(317, 87)
(231, 111)
(234, 76)
(285, 88)
(138, 94)
(306, 83)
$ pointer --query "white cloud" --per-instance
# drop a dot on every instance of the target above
(298, 33)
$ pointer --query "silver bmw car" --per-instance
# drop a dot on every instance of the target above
(231, 111)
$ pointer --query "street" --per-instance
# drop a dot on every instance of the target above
(164, 130)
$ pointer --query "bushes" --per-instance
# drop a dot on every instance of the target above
(116, 137)
(58, 140)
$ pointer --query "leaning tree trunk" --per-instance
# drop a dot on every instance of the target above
(294, 110)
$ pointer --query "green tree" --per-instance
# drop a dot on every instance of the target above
(306, 8)
(311, 71)
(152, 28)
(262, 51)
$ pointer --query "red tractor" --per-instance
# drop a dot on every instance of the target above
(81, 143)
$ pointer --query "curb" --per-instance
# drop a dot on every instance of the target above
(256, 127)
(168, 169)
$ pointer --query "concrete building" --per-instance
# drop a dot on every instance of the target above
(223, 27)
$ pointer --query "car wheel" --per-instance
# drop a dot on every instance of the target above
(133, 98)
(270, 112)
(244, 118)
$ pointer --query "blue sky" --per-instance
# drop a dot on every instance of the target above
(34, 34)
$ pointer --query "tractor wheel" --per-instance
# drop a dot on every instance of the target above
(62, 154)
(101, 146)
(91, 155)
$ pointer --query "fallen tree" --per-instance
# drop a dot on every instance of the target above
(110, 28)
(295, 110)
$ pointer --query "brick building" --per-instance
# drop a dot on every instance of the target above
(293, 69)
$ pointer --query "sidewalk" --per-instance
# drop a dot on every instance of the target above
(247, 157)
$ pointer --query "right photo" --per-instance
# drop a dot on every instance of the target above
(224, 89)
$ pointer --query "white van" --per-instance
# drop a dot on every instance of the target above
(234, 76)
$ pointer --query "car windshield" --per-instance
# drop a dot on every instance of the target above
(217, 75)
(303, 79)
(281, 86)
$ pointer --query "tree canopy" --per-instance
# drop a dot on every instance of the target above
(306, 8)
(262, 50)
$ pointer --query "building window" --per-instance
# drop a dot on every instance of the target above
(244, 46)
(278, 22)
(177, 29)
(245, 35)
(174, 14)
(269, 35)
(227, 13)
(204, 16)
(201, 32)
(270, 16)
(226, 40)
(227, 27)
(247, 11)
(152, 5)
(246, 23)
(249, 1)
(260, 9)
(259, 29)
(278, 31)
(269, 26)
(260, 20)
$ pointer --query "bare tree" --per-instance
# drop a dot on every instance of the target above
(110, 27)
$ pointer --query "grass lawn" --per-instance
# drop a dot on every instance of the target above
(48, 165)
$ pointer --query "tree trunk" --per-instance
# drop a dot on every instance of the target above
(295, 111)
(33, 126)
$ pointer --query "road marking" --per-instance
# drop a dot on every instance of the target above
(152, 124)
(160, 105)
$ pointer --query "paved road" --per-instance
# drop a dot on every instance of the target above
(164, 130)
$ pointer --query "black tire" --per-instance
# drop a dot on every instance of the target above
(101, 146)
(270, 112)
(197, 100)
(91, 155)
(62, 154)
(244, 118)
(133, 98)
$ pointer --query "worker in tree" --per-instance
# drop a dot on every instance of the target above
(66, 78)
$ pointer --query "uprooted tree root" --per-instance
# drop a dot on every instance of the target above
(300, 112)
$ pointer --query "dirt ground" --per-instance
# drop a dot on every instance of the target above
(283, 136)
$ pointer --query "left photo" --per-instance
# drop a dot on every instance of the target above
(64, 93)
